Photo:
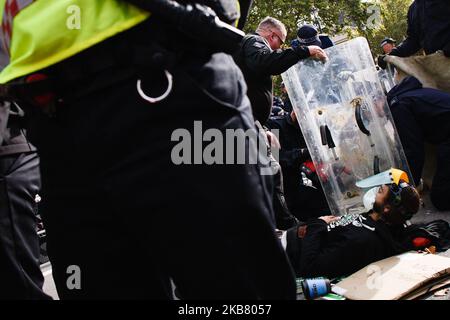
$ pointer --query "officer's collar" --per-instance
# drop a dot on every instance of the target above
(265, 40)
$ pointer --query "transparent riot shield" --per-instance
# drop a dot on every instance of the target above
(387, 78)
(346, 122)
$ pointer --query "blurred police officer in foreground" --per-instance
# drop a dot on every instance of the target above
(104, 98)
(261, 57)
(20, 275)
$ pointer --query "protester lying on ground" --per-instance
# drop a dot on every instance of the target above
(338, 246)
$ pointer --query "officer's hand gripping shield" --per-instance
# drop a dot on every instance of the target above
(346, 122)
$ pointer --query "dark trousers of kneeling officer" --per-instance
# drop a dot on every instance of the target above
(20, 275)
(118, 210)
(423, 115)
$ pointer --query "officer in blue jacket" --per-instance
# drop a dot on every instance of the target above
(428, 29)
(423, 115)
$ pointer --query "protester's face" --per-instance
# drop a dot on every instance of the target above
(382, 198)
(387, 48)
(383, 207)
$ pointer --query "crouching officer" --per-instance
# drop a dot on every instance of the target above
(422, 115)
(108, 102)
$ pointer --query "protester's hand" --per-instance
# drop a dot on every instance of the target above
(381, 62)
(329, 219)
(317, 52)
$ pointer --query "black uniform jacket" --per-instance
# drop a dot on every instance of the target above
(428, 28)
(259, 63)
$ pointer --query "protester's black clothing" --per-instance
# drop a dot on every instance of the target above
(316, 249)
(423, 114)
(428, 28)
(20, 275)
(115, 204)
(303, 201)
(259, 62)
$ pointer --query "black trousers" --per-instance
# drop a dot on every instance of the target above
(416, 123)
(20, 275)
(116, 206)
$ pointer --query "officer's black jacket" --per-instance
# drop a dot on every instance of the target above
(259, 63)
(319, 250)
(225, 9)
(431, 108)
(428, 28)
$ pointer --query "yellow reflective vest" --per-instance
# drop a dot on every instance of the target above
(36, 34)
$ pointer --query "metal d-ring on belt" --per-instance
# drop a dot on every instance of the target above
(161, 97)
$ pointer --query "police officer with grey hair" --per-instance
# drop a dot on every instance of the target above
(260, 57)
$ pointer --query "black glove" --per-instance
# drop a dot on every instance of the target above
(202, 23)
(381, 62)
(196, 21)
(302, 51)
